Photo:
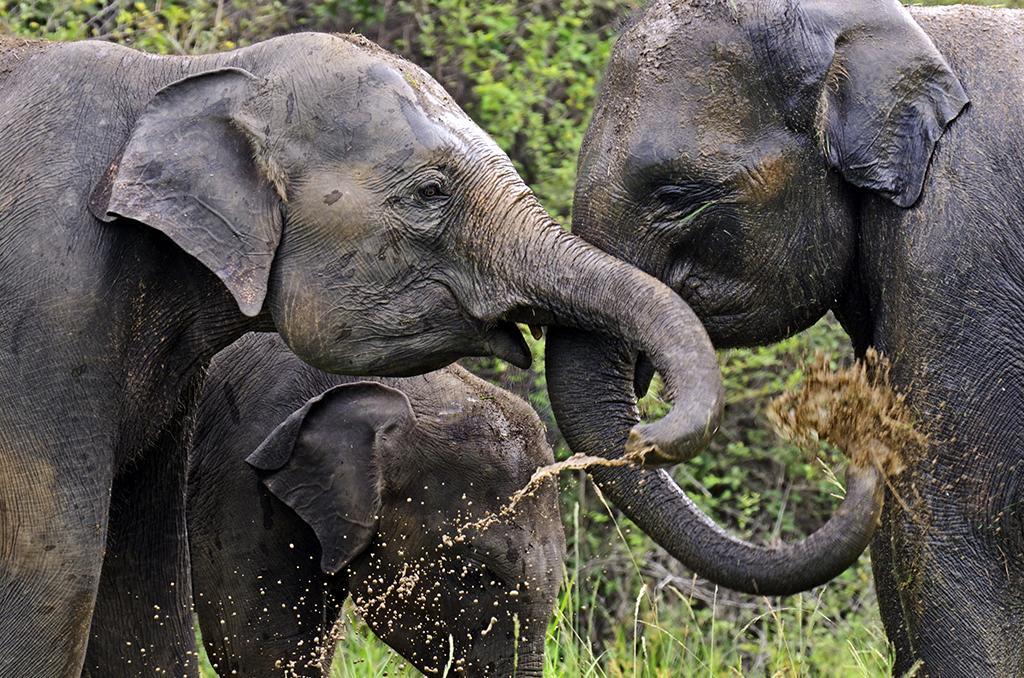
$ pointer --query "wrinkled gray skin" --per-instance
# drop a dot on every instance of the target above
(774, 160)
(305, 487)
(153, 209)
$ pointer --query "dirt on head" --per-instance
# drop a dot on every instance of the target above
(855, 409)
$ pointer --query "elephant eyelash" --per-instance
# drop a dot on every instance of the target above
(689, 217)
(684, 201)
(683, 217)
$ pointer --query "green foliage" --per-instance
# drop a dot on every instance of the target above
(160, 27)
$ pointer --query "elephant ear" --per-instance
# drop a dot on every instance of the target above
(888, 96)
(188, 170)
(882, 93)
(324, 460)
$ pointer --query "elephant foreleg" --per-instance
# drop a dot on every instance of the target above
(143, 620)
(53, 520)
(950, 594)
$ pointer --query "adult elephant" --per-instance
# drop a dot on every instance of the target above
(772, 161)
(152, 209)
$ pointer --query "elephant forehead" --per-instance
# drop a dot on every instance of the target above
(469, 433)
(683, 88)
(385, 125)
(671, 34)
(360, 101)
(476, 437)
(433, 117)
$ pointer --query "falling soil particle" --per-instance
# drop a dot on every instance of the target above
(577, 462)
(854, 408)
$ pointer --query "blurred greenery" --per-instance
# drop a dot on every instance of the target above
(526, 70)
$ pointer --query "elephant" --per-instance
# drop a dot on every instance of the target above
(773, 161)
(155, 208)
(304, 487)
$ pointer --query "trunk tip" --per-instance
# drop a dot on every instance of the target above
(667, 441)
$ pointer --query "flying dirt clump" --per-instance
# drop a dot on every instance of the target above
(577, 462)
(854, 408)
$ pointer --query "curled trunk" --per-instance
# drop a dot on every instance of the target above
(556, 278)
(581, 363)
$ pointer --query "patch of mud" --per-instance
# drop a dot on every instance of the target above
(854, 408)
(14, 49)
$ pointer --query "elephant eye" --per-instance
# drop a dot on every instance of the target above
(670, 194)
(431, 191)
(676, 202)
(480, 573)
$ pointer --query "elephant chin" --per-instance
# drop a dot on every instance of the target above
(602, 367)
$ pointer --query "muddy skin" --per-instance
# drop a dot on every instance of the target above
(774, 160)
(153, 209)
(272, 568)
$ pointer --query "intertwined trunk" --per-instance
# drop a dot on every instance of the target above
(548, 276)
(602, 367)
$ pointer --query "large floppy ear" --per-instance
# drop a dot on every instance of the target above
(324, 462)
(879, 92)
(188, 170)
(887, 97)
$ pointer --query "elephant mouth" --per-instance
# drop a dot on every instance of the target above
(505, 341)
(498, 336)
(720, 316)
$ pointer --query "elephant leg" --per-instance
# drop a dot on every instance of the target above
(952, 594)
(263, 603)
(889, 600)
(143, 620)
(53, 521)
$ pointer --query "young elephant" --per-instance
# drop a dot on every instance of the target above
(305, 487)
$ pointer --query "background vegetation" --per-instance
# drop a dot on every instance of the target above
(526, 70)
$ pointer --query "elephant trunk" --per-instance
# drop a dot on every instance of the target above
(523, 665)
(555, 278)
(581, 363)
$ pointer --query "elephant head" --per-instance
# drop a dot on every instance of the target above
(392, 483)
(340, 192)
(726, 155)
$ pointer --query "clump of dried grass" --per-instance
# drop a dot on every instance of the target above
(854, 408)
